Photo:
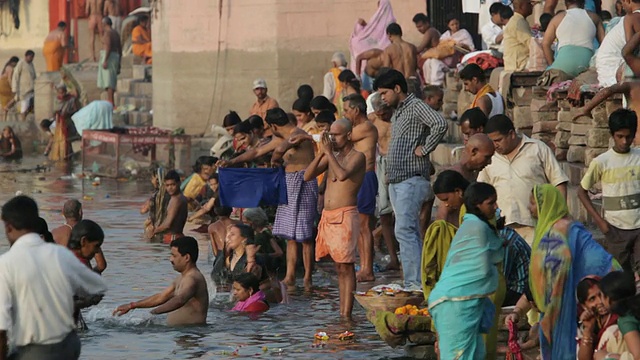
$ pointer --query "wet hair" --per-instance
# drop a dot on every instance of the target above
(620, 288)
(389, 80)
(432, 90)
(21, 212)
(231, 119)
(476, 118)
(201, 160)
(85, 228)
(256, 122)
(545, 19)
(475, 195)
(356, 101)
(186, 245)
(29, 53)
(472, 71)
(305, 92)
(14, 59)
(347, 76)
(62, 24)
(248, 281)
(257, 216)
(107, 21)
(495, 8)
(292, 118)
(243, 128)
(172, 175)
(43, 230)
(421, 18)
(499, 123)
(506, 12)
(394, 29)
(220, 210)
(246, 231)
(582, 290)
(301, 105)
(71, 209)
(46, 124)
(623, 119)
(605, 15)
(322, 103)
(277, 116)
(414, 87)
(325, 117)
(448, 181)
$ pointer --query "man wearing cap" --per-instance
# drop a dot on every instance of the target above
(332, 87)
(264, 102)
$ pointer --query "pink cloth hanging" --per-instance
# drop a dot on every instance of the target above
(514, 352)
(373, 35)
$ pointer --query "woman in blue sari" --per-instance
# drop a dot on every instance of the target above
(460, 302)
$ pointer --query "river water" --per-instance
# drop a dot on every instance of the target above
(137, 269)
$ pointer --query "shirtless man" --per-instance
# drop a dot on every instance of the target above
(430, 35)
(72, 212)
(364, 137)
(111, 58)
(339, 226)
(382, 121)
(218, 229)
(373, 58)
(400, 55)
(112, 10)
(177, 210)
(187, 298)
(295, 222)
(93, 10)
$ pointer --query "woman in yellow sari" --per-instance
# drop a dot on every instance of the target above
(65, 130)
(6, 94)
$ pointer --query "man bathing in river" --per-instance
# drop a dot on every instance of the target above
(187, 298)
(340, 223)
(295, 220)
(72, 212)
(177, 210)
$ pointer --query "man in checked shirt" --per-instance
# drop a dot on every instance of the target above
(416, 130)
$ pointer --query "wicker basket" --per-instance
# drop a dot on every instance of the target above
(387, 303)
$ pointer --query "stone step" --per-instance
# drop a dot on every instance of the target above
(124, 85)
(140, 118)
(139, 102)
(141, 88)
(141, 71)
(126, 73)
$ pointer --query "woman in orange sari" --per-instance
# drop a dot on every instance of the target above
(6, 94)
(141, 39)
(61, 146)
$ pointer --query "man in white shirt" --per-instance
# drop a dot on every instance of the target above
(38, 281)
(492, 31)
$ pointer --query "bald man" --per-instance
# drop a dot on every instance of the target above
(476, 156)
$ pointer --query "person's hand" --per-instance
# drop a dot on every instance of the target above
(418, 151)
(123, 309)
(514, 317)
(326, 144)
(583, 112)
(588, 320)
(298, 138)
(105, 65)
(190, 219)
(603, 225)
(362, 22)
(223, 163)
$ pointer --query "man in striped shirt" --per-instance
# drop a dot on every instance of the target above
(415, 132)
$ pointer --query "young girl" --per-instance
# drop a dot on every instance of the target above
(246, 289)
(619, 295)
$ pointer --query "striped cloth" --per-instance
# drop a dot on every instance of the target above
(295, 220)
(516, 260)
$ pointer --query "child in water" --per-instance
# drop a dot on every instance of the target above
(246, 290)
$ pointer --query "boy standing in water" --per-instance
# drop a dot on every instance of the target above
(177, 210)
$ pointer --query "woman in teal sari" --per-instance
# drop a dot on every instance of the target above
(563, 253)
(460, 302)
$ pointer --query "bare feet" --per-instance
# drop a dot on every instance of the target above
(291, 283)
(362, 277)
(308, 284)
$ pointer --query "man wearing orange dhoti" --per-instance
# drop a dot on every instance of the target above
(54, 46)
(141, 39)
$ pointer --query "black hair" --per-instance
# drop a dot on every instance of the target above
(107, 21)
(451, 17)
(421, 18)
(432, 90)
(256, 122)
(277, 116)
(545, 19)
(220, 210)
(29, 53)
(389, 80)
(415, 87)
(325, 117)
(477, 118)
(46, 123)
(172, 175)
(347, 76)
(71, 209)
(213, 176)
(499, 123)
(43, 230)
(472, 71)
(356, 101)
(210, 160)
(448, 181)
(85, 228)
(605, 15)
(246, 231)
(623, 119)
(301, 105)
(506, 12)
(197, 167)
(248, 281)
(13, 59)
(143, 18)
(394, 29)
(243, 128)
(580, 3)
(322, 103)
(495, 8)
(475, 195)
(305, 92)
(231, 119)
(62, 24)
(186, 245)
(21, 212)
(620, 288)
(582, 290)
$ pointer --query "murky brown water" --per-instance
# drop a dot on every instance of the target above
(137, 269)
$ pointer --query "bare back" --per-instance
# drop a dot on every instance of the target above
(94, 8)
(218, 232)
(54, 35)
(384, 135)
(299, 157)
(61, 235)
(111, 41)
(180, 204)
(195, 310)
(341, 194)
(365, 139)
(111, 8)
(409, 58)
(374, 64)
(394, 54)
